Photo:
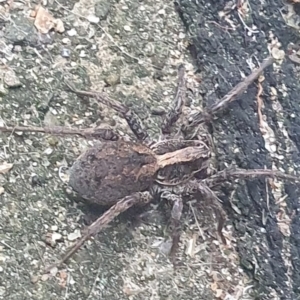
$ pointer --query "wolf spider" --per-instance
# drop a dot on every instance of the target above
(121, 173)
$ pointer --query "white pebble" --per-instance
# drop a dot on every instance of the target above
(72, 32)
(54, 227)
(127, 28)
(66, 41)
(74, 235)
(82, 53)
(93, 19)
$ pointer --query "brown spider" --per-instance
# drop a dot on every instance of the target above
(121, 174)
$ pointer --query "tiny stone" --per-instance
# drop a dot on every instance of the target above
(35, 278)
(54, 228)
(158, 111)
(11, 80)
(93, 19)
(181, 35)
(65, 52)
(82, 53)
(53, 141)
(3, 90)
(112, 79)
(273, 91)
(127, 28)
(278, 54)
(74, 235)
(59, 26)
(54, 271)
(17, 48)
(45, 277)
(66, 41)
(56, 236)
(72, 32)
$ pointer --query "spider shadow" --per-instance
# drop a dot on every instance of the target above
(155, 213)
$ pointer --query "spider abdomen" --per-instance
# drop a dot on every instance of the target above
(110, 171)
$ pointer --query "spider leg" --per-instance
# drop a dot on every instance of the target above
(97, 133)
(178, 102)
(132, 119)
(101, 222)
(235, 173)
(208, 114)
(214, 202)
(175, 220)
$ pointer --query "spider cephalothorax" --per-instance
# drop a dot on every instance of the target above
(121, 173)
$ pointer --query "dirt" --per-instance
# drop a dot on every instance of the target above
(132, 50)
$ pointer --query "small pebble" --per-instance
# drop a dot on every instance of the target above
(11, 80)
(93, 19)
(66, 41)
(72, 32)
(56, 236)
(74, 235)
(158, 111)
(182, 35)
(44, 277)
(82, 53)
(3, 90)
(277, 53)
(127, 28)
(59, 26)
(54, 227)
(65, 53)
(112, 79)
(17, 48)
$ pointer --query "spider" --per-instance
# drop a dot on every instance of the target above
(121, 173)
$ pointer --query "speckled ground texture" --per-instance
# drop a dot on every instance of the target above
(132, 50)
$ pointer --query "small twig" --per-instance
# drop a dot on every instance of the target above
(98, 133)
(102, 221)
(196, 221)
(90, 295)
(238, 90)
(259, 107)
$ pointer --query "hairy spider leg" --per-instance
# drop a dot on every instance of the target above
(195, 186)
(175, 108)
(96, 133)
(175, 225)
(209, 113)
(133, 121)
(121, 206)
